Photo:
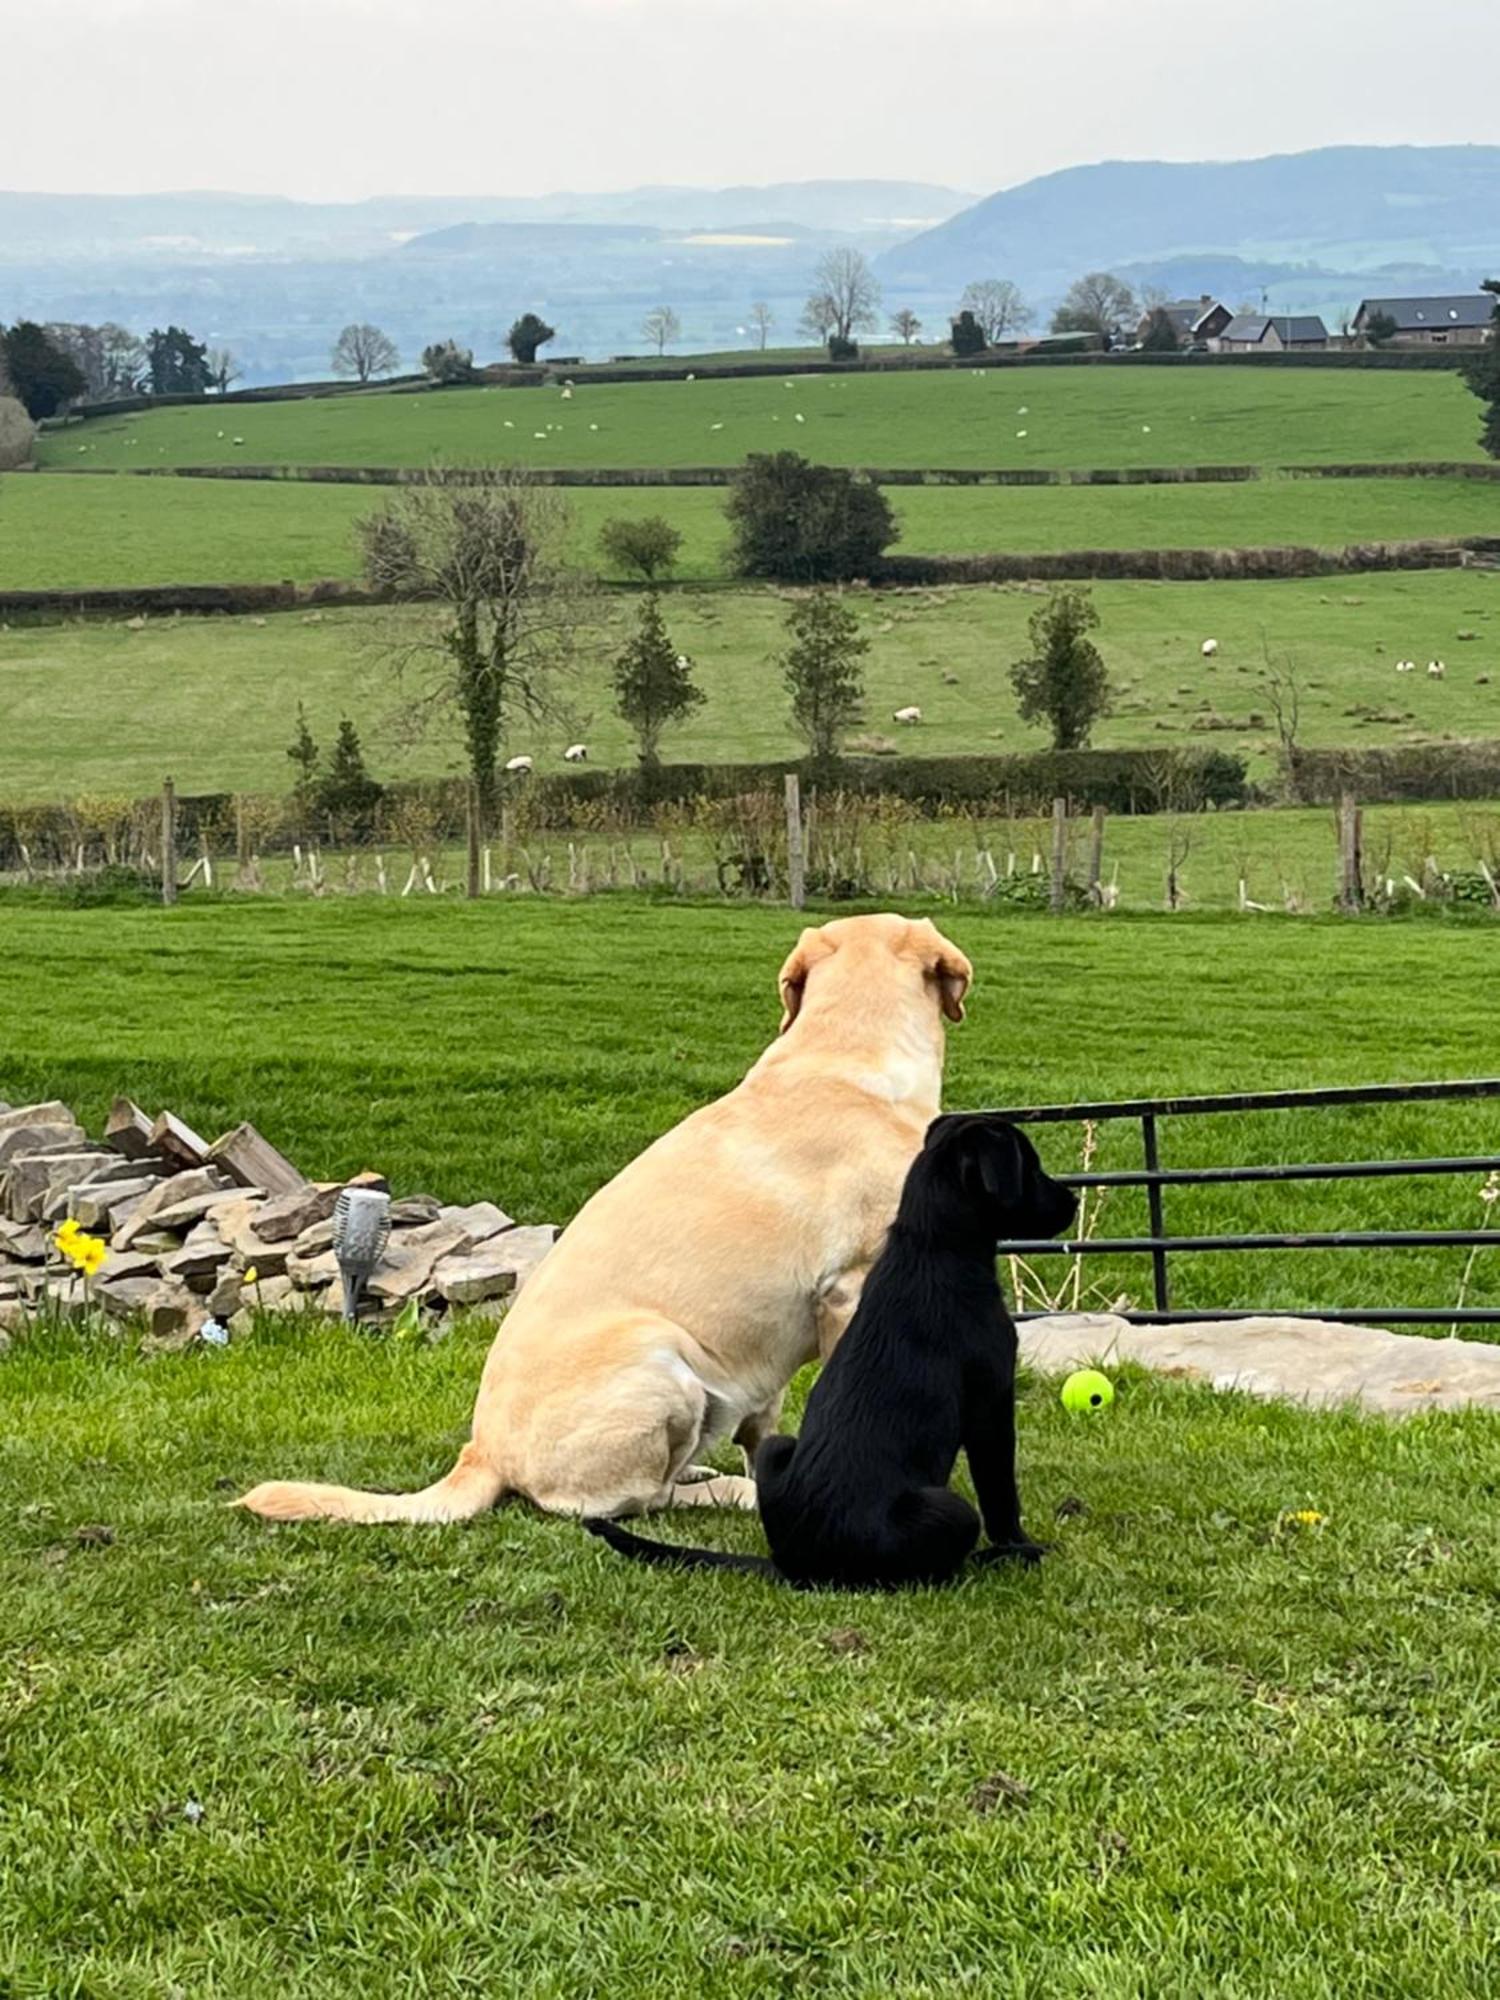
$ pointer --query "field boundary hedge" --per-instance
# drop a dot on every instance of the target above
(1062, 566)
(725, 475)
(1185, 565)
(1396, 775)
(500, 375)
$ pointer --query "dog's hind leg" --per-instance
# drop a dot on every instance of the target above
(931, 1535)
(720, 1489)
(756, 1428)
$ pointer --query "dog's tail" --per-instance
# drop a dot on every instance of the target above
(668, 1555)
(471, 1487)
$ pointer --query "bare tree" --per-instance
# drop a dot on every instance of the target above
(905, 325)
(1098, 302)
(845, 284)
(222, 368)
(998, 306)
(662, 325)
(363, 350)
(488, 548)
(819, 317)
(762, 319)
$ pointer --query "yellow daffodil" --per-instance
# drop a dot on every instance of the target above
(251, 1275)
(90, 1255)
(66, 1236)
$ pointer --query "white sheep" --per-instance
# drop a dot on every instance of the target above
(912, 714)
(576, 753)
(1436, 669)
(1406, 666)
(520, 766)
(1209, 648)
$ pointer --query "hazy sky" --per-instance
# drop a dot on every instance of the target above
(342, 98)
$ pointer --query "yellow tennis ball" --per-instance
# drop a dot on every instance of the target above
(1087, 1390)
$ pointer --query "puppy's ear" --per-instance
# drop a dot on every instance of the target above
(1003, 1160)
(805, 954)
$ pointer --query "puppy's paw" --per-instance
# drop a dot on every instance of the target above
(1023, 1552)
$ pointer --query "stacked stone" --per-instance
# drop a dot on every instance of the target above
(221, 1232)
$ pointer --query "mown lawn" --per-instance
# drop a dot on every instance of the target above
(212, 699)
(79, 533)
(1069, 416)
(1203, 1750)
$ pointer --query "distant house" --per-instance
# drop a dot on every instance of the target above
(1272, 333)
(1203, 318)
(1454, 322)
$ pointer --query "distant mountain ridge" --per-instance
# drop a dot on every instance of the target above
(1331, 217)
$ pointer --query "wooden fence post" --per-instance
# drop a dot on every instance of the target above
(471, 828)
(1351, 860)
(1096, 856)
(1058, 885)
(168, 842)
(796, 866)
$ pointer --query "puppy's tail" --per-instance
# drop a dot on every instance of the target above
(667, 1555)
(471, 1487)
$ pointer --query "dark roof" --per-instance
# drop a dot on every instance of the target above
(1290, 327)
(1421, 315)
(1187, 314)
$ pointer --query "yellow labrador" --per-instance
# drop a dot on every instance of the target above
(684, 1296)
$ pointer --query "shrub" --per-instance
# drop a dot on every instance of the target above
(446, 361)
(347, 796)
(841, 348)
(802, 523)
(653, 682)
(646, 548)
(822, 673)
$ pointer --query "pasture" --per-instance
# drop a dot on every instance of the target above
(80, 532)
(1033, 416)
(1203, 1750)
(216, 695)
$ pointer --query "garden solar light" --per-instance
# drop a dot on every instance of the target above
(361, 1229)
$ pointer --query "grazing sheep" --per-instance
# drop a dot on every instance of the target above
(576, 753)
(520, 766)
(1435, 670)
(1209, 648)
(912, 714)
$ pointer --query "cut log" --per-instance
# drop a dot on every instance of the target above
(253, 1161)
(179, 1142)
(128, 1129)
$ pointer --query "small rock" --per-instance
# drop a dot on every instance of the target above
(315, 1240)
(94, 1206)
(997, 1789)
(479, 1220)
(413, 1209)
(174, 1316)
(158, 1209)
(845, 1640)
(311, 1274)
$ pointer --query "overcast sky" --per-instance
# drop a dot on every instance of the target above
(344, 98)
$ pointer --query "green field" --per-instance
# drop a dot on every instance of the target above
(1201, 1751)
(77, 533)
(215, 696)
(1072, 417)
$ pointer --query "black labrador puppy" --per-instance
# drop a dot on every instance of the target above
(860, 1500)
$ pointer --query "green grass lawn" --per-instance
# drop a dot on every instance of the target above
(1202, 1751)
(211, 699)
(1070, 417)
(77, 533)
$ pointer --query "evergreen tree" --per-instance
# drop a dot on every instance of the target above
(1482, 373)
(654, 684)
(176, 364)
(1062, 680)
(41, 374)
(347, 795)
(305, 755)
(822, 673)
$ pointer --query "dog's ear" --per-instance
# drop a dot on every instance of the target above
(804, 955)
(1003, 1161)
(952, 971)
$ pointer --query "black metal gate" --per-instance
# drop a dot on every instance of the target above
(1156, 1178)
